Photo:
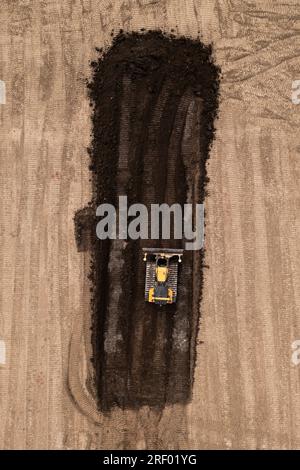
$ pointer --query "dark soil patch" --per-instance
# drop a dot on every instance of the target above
(155, 100)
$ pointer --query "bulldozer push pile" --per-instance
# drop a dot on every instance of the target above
(154, 103)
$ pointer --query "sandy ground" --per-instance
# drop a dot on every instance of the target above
(247, 390)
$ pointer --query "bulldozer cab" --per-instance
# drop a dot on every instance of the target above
(162, 269)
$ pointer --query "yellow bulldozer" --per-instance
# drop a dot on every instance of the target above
(161, 275)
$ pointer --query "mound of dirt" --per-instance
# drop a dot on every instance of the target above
(155, 99)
